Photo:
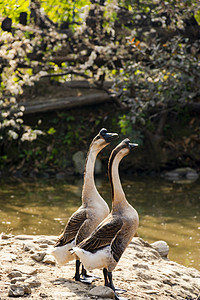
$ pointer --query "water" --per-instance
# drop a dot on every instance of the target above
(167, 211)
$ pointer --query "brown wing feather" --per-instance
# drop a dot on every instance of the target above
(72, 227)
(103, 235)
(117, 246)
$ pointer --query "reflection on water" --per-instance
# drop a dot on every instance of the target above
(167, 211)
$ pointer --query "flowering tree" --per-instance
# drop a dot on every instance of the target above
(149, 49)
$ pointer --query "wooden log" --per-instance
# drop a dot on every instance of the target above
(67, 103)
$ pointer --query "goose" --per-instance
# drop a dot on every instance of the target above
(104, 247)
(92, 211)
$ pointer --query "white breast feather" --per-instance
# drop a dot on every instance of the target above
(62, 254)
(96, 260)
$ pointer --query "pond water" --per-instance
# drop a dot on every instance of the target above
(168, 211)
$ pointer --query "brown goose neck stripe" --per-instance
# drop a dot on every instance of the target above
(110, 164)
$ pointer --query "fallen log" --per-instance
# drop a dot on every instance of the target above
(67, 103)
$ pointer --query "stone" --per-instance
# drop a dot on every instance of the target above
(32, 282)
(102, 291)
(18, 279)
(14, 274)
(49, 259)
(63, 295)
(98, 167)
(23, 237)
(29, 246)
(43, 295)
(38, 256)
(79, 162)
(24, 269)
(181, 174)
(45, 246)
(44, 241)
(9, 257)
(161, 247)
(19, 290)
(6, 236)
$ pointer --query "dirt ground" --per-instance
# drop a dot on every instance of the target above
(27, 271)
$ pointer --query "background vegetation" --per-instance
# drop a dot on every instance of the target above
(149, 50)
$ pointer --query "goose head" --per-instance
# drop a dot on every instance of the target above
(123, 149)
(102, 139)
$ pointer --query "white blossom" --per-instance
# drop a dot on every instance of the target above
(13, 134)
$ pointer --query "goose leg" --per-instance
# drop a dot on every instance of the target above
(77, 273)
(109, 282)
(105, 273)
(85, 278)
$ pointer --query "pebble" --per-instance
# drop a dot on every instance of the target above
(6, 236)
(14, 274)
(24, 237)
(19, 290)
(17, 279)
(102, 291)
(38, 256)
(29, 246)
(26, 269)
(63, 294)
(9, 257)
(44, 246)
(161, 247)
(44, 241)
(79, 162)
(32, 282)
(49, 259)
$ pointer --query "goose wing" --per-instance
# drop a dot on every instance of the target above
(103, 235)
(72, 227)
(117, 246)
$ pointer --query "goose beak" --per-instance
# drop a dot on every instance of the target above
(132, 146)
(109, 137)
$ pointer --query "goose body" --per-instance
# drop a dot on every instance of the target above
(93, 209)
(104, 247)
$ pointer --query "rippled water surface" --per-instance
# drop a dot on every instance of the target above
(168, 211)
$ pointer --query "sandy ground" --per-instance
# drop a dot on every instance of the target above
(28, 272)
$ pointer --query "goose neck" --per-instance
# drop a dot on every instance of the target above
(89, 187)
(118, 196)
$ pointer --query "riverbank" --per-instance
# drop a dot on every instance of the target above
(28, 271)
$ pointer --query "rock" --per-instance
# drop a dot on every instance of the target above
(161, 247)
(29, 246)
(26, 269)
(44, 241)
(14, 274)
(45, 246)
(181, 175)
(63, 295)
(43, 295)
(49, 259)
(79, 162)
(6, 236)
(102, 291)
(38, 256)
(32, 282)
(98, 167)
(19, 290)
(61, 175)
(18, 279)
(24, 237)
(9, 257)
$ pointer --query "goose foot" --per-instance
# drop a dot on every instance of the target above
(120, 291)
(120, 298)
(109, 283)
(86, 278)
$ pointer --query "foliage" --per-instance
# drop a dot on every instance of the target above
(149, 49)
